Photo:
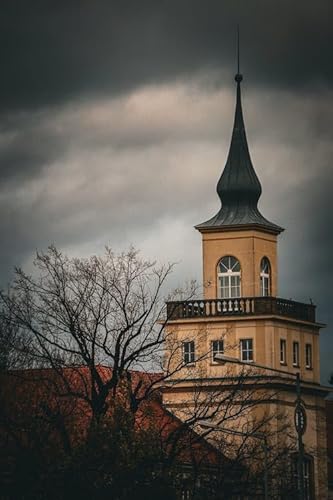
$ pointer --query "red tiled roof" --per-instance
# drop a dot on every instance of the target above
(44, 391)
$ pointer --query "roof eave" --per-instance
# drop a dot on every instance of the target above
(203, 228)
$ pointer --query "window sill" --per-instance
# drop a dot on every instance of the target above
(283, 363)
(189, 365)
(296, 366)
(309, 368)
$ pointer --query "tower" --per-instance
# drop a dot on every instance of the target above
(241, 316)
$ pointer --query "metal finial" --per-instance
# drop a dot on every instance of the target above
(238, 76)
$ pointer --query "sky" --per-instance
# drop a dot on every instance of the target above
(116, 118)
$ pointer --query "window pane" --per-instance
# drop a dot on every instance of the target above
(246, 349)
(308, 356)
(188, 352)
(265, 277)
(295, 353)
(282, 351)
(265, 266)
(217, 347)
(229, 263)
(234, 264)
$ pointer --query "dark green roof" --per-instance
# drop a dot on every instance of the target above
(239, 188)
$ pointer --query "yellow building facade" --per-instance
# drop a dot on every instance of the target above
(241, 317)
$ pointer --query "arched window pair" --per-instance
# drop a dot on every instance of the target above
(229, 277)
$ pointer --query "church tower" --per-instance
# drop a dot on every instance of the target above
(241, 316)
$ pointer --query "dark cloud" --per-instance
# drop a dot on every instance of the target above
(54, 51)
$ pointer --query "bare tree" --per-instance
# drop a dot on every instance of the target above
(89, 312)
(86, 326)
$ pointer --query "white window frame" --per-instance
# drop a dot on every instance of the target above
(219, 343)
(226, 273)
(308, 356)
(265, 277)
(295, 353)
(189, 352)
(246, 350)
(283, 351)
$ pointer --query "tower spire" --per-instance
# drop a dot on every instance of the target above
(237, 49)
(239, 188)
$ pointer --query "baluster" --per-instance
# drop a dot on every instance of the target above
(201, 309)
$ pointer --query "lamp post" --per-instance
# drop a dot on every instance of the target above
(256, 435)
(299, 416)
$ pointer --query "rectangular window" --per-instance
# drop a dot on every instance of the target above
(229, 286)
(283, 351)
(264, 286)
(308, 355)
(295, 353)
(246, 347)
(217, 347)
(235, 286)
(188, 352)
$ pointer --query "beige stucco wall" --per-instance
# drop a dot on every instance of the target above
(266, 333)
(249, 247)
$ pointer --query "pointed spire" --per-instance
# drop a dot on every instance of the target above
(239, 182)
(239, 188)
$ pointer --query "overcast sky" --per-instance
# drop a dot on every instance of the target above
(115, 123)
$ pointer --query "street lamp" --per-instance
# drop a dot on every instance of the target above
(299, 416)
(256, 435)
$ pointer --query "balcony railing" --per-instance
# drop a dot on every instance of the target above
(243, 306)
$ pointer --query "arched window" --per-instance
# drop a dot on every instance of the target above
(265, 277)
(229, 276)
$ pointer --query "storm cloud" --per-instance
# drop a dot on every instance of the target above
(115, 123)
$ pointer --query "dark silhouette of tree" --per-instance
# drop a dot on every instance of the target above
(91, 335)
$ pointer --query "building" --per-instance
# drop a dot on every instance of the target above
(329, 419)
(241, 316)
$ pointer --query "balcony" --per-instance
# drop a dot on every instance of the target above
(242, 306)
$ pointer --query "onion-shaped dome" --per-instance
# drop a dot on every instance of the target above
(239, 188)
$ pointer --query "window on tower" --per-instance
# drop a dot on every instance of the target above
(283, 351)
(217, 347)
(246, 349)
(308, 356)
(295, 354)
(188, 352)
(265, 277)
(229, 276)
